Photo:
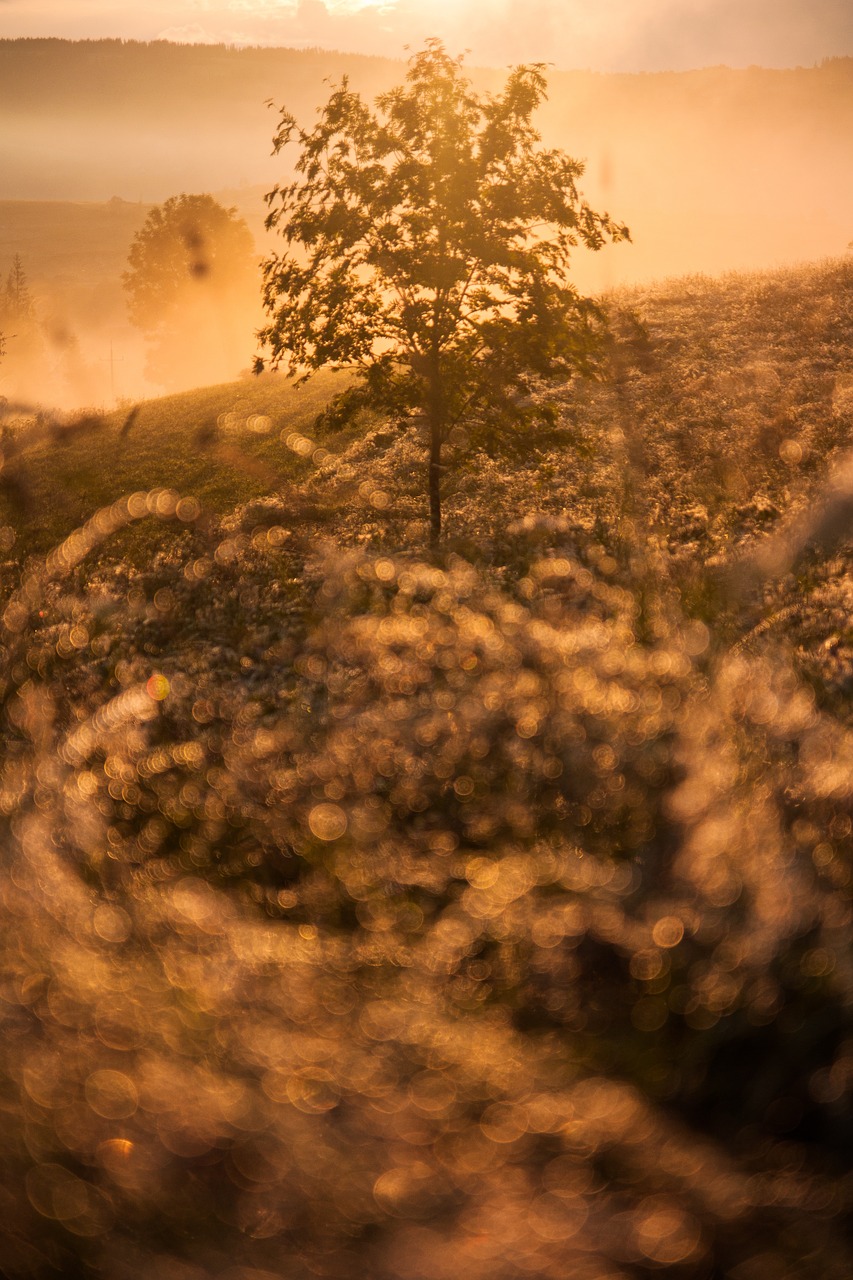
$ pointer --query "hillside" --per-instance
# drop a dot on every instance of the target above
(726, 405)
(63, 241)
(485, 912)
(222, 445)
(727, 392)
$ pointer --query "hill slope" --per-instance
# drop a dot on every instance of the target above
(370, 912)
(732, 395)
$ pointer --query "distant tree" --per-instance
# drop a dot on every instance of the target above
(18, 303)
(428, 246)
(191, 282)
(23, 342)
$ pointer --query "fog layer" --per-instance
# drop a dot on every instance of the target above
(712, 170)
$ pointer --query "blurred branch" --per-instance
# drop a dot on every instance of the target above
(825, 524)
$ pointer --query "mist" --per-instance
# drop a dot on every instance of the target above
(426, 791)
(79, 346)
(712, 170)
(613, 35)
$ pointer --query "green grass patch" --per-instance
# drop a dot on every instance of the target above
(222, 445)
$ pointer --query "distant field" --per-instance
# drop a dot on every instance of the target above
(65, 243)
(62, 241)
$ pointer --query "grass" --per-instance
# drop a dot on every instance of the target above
(733, 397)
(221, 445)
(412, 915)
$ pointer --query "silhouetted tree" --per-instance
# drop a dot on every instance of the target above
(24, 371)
(191, 282)
(428, 249)
(18, 303)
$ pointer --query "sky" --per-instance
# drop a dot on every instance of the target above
(604, 35)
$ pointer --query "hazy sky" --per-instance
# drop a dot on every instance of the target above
(601, 34)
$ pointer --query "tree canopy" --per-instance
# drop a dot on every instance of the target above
(428, 243)
(191, 282)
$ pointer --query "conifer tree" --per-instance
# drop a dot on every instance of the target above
(18, 299)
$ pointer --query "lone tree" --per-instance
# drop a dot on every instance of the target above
(191, 284)
(428, 246)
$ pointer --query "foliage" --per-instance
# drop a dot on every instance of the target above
(487, 916)
(428, 249)
(190, 283)
(23, 342)
(387, 914)
(223, 444)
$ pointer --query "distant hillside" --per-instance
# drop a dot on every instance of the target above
(62, 239)
(712, 169)
(86, 120)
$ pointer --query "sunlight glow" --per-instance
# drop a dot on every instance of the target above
(612, 35)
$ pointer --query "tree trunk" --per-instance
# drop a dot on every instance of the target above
(434, 485)
(436, 436)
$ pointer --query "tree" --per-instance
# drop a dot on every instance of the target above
(18, 303)
(428, 246)
(24, 370)
(192, 284)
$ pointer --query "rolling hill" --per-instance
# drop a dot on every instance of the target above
(712, 170)
(373, 911)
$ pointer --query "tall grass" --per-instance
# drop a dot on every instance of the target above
(484, 914)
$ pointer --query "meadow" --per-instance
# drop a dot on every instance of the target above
(485, 912)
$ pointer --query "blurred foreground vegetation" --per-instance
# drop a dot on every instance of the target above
(479, 914)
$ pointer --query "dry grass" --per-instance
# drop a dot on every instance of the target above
(483, 915)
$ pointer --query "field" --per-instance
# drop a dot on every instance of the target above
(485, 912)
